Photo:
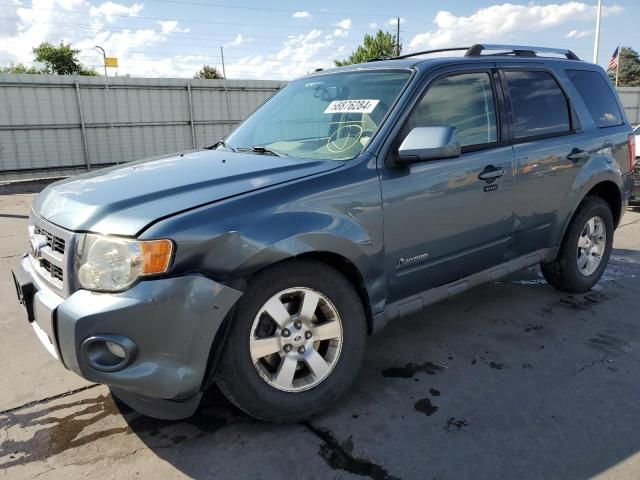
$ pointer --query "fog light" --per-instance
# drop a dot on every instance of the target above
(108, 353)
(116, 350)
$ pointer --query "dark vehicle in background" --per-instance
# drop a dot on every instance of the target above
(352, 197)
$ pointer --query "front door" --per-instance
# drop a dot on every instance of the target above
(446, 219)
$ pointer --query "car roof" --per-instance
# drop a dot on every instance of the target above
(428, 63)
(506, 54)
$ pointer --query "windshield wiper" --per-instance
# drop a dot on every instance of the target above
(261, 149)
(221, 143)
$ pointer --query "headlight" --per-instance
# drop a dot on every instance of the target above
(114, 264)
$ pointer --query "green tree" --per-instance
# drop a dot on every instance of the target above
(61, 60)
(209, 73)
(88, 72)
(19, 68)
(378, 47)
(629, 75)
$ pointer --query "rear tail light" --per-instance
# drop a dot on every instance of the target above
(632, 151)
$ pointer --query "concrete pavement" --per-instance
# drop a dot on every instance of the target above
(510, 380)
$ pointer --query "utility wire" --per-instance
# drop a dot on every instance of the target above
(271, 9)
(187, 20)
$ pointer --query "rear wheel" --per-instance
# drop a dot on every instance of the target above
(296, 342)
(585, 249)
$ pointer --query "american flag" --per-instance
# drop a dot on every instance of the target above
(613, 63)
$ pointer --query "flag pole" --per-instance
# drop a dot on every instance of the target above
(596, 44)
(618, 65)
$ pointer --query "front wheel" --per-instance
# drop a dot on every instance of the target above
(585, 249)
(296, 342)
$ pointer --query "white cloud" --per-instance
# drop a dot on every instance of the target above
(238, 40)
(301, 15)
(296, 57)
(116, 44)
(499, 22)
(373, 25)
(579, 33)
(343, 28)
(29, 26)
(40, 22)
(110, 10)
(171, 26)
(11, 19)
(344, 24)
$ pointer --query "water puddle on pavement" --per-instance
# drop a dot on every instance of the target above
(425, 406)
(410, 369)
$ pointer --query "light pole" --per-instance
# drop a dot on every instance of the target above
(106, 94)
(596, 44)
(104, 63)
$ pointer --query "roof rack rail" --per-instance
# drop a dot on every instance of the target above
(519, 51)
(425, 52)
(477, 49)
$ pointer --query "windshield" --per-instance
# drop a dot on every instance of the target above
(329, 116)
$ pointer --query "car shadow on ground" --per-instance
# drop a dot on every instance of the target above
(510, 380)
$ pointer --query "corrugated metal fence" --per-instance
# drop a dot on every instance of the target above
(59, 125)
(630, 97)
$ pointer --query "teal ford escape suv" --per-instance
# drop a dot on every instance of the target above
(350, 198)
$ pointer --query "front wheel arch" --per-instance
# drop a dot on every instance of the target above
(240, 379)
(334, 260)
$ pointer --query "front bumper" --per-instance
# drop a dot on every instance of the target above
(171, 321)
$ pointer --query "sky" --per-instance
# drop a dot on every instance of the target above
(286, 39)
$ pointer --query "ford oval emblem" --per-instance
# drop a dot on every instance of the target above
(36, 244)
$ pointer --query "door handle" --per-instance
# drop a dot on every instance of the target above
(491, 173)
(577, 154)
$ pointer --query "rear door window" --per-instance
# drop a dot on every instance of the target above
(539, 105)
(597, 95)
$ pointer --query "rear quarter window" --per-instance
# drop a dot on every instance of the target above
(538, 103)
(597, 95)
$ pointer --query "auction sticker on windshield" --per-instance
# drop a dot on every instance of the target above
(351, 106)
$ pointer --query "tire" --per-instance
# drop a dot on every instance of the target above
(564, 273)
(259, 385)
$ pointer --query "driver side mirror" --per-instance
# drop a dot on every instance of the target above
(428, 143)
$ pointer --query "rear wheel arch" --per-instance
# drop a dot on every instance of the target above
(610, 193)
(565, 271)
(605, 189)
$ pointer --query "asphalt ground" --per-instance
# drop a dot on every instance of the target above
(510, 380)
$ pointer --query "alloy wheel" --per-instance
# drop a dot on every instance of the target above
(296, 339)
(591, 246)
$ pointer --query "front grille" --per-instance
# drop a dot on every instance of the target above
(53, 270)
(53, 256)
(56, 244)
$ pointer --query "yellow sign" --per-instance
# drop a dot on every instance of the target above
(111, 62)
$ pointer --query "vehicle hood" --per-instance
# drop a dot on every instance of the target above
(125, 199)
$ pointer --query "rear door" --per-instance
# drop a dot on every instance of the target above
(548, 147)
(446, 219)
